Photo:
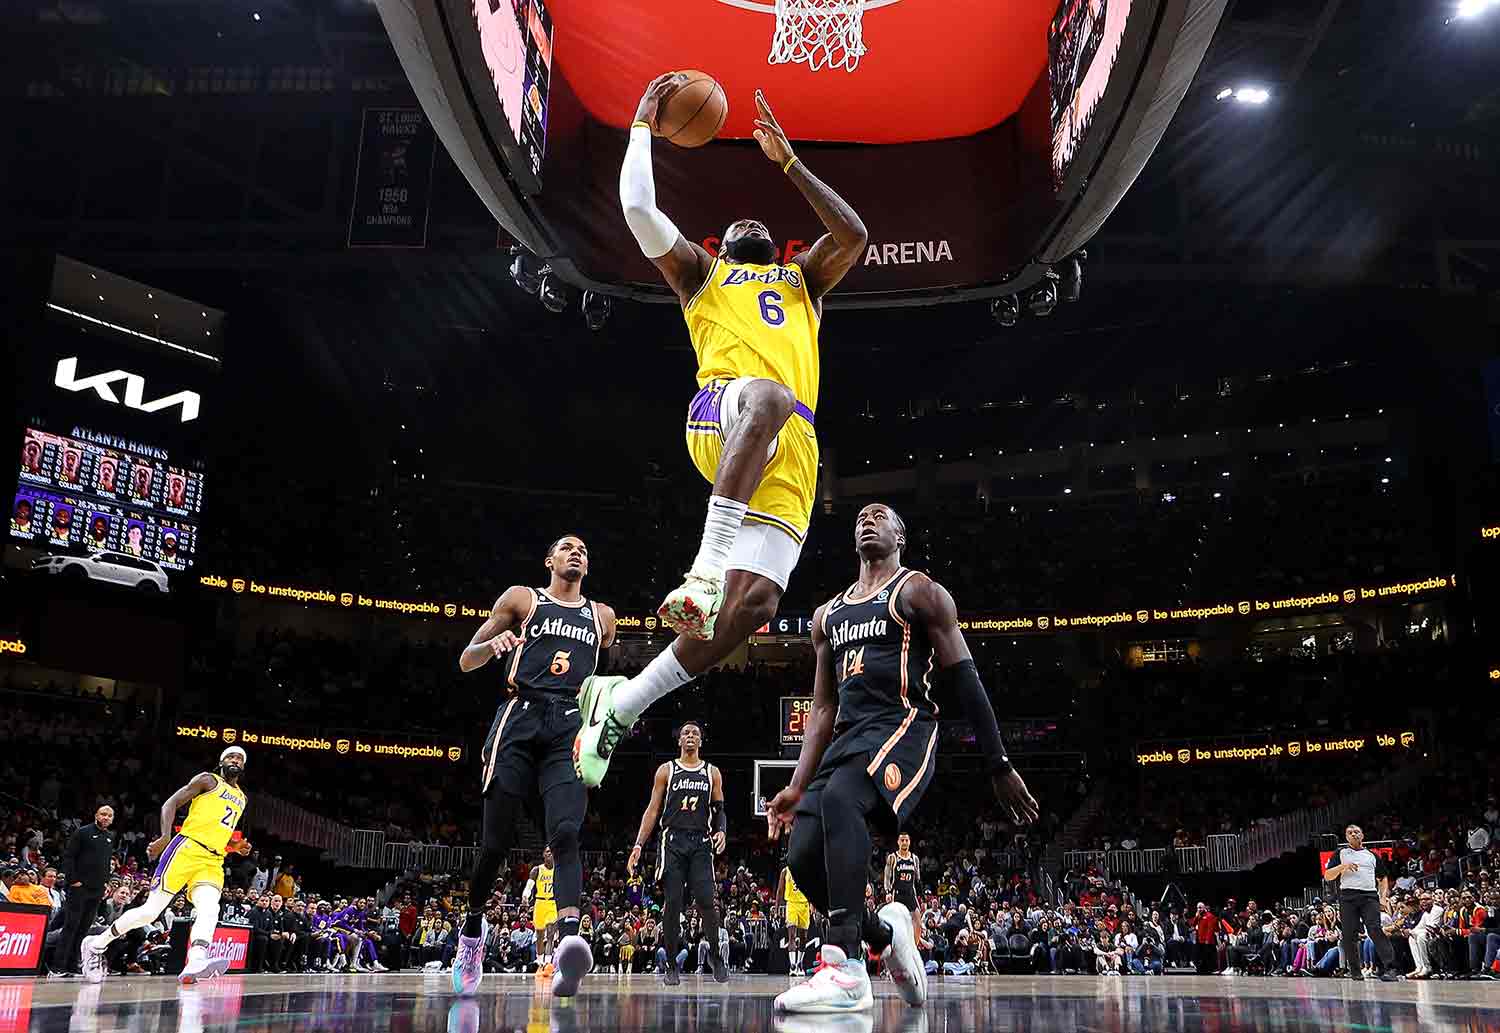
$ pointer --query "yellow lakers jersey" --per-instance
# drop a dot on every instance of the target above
(793, 894)
(756, 321)
(213, 816)
(543, 883)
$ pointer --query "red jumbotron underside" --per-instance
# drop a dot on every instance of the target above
(933, 69)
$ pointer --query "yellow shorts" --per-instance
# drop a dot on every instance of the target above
(185, 863)
(789, 486)
(798, 914)
(544, 915)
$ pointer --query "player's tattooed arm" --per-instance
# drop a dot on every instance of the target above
(203, 782)
(834, 253)
(495, 637)
(890, 872)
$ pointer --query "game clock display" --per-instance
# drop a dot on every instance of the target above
(77, 496)
(794, 714)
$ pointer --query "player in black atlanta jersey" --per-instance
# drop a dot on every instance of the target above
(548, 640)
(867, 757)
(689, 797)
(903, 873)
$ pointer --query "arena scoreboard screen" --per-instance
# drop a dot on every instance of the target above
(103, 494)
(794, 713)
(115, 402)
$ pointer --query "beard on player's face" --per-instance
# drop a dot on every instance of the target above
(749, 243)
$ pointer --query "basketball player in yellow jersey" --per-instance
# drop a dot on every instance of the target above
(754, 328)
(544, 912)
(798, 918)
(192, 860)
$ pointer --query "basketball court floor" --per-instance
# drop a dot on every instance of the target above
(416, 1003)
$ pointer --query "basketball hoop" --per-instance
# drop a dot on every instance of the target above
(824, 33)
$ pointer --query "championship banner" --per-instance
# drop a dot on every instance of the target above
(23, 934)
(1263, 746)
(392, 179)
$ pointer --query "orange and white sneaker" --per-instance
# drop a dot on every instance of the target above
(838, 984)
(692, 609)
(545, 971)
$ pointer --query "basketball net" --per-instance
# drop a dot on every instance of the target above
(824, 33)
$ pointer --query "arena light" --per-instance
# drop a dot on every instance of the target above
(1070, 285)
(525, 270)
(1224, 94)
(1253, 95)
(1006, 311)
(552, 292)
(1468, 9)
(1042, 300)
(595, 309)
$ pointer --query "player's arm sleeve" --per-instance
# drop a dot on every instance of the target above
(963, 679)
(653, 231)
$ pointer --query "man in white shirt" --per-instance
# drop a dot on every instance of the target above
(1360, 874)
(1426, 932)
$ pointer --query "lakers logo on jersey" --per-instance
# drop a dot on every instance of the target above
(756, 321)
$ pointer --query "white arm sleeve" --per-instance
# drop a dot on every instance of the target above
(653, 231)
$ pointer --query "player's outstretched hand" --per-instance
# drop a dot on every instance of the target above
(781, 812)
(769, 134)
(659, 89)
(1010, 790)
(635, 859)
(718, 839)
(503, 643)
(156, 846)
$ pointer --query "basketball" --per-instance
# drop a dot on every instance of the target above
(694, 113)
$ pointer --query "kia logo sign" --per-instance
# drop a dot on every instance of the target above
(102, 384)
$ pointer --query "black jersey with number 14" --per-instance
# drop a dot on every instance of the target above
(559, 646)
(883, 663)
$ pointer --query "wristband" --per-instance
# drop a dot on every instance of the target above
(640, 123)
(787, 168)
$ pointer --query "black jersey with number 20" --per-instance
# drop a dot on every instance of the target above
(559, 646)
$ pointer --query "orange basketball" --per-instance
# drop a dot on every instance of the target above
(693, 113)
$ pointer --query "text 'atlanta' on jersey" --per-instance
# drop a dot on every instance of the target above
(883, 664)
(688, 793)
(559, 646)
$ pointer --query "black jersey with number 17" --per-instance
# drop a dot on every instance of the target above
(688, 794)
(883, 662)
(559, 646)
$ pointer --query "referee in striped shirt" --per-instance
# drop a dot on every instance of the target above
(1363, 889)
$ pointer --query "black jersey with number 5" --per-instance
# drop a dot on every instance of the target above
(688, 793)
(883, 663)
(559, 646)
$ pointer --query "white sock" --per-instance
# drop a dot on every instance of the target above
(724, 519)
(793, 957)
(661, 676)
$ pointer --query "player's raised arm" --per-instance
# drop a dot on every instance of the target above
(683, 264)
(653, 810)
(494, 637)
(203, 782)
(817, 733)
(834, 253)
(932, 607)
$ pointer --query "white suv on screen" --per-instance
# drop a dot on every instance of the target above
(114, 567)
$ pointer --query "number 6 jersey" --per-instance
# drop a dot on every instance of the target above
(559, 646)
